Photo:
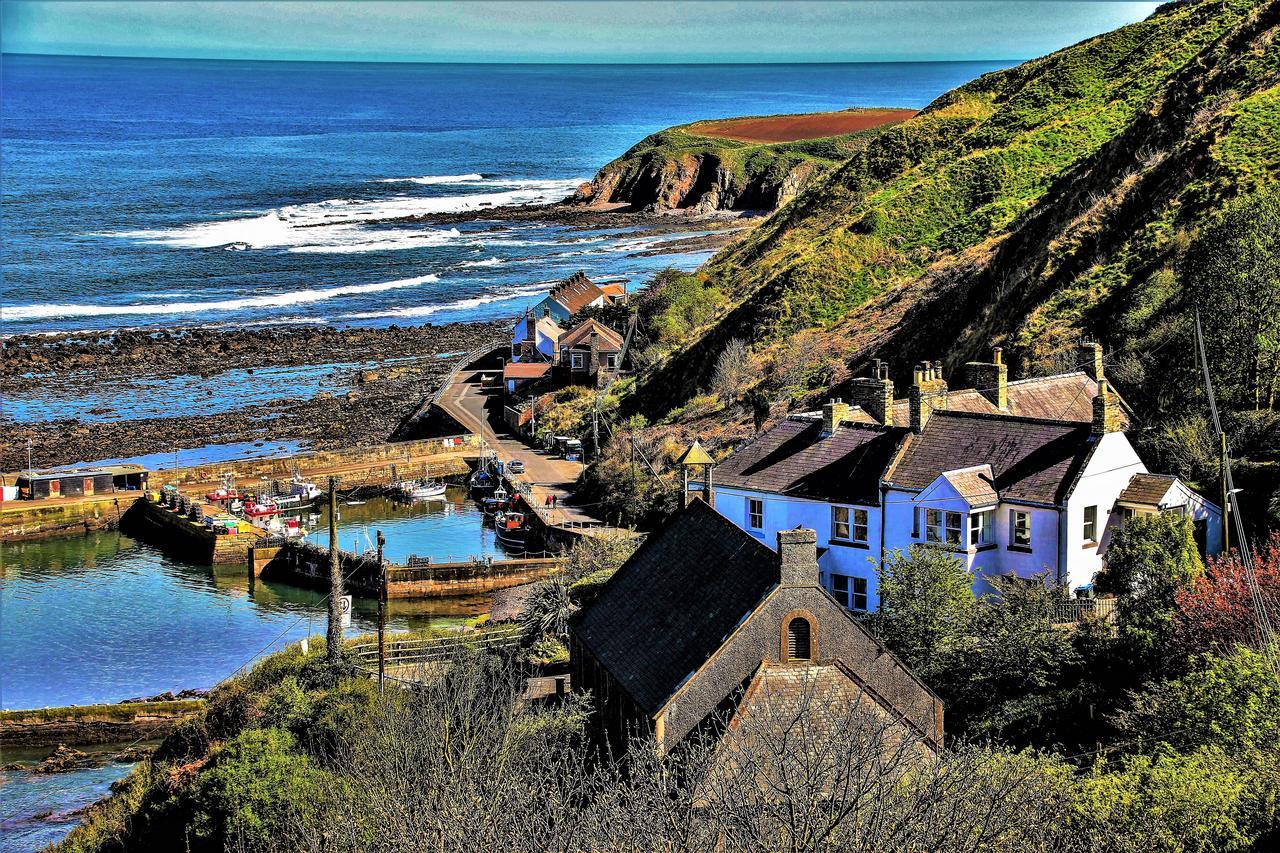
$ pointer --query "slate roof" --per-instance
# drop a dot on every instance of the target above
(673, 604)
(1064, 397)
(1146, 489)
(576, 292)
(1032, 459)
(795, 459)
(609, 340)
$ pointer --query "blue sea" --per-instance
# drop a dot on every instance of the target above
(160, 193)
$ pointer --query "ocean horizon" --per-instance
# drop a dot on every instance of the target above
(154, 193)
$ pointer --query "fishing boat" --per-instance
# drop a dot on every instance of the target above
(511, 529)
(421, 491)
(221, 495)
(287, 527)
(482, 481)
(262, 509)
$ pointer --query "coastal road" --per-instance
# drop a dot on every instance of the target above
(469, 405)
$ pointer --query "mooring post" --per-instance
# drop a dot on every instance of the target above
(382, 614)
(334, 650)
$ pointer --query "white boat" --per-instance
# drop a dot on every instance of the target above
(421, 491)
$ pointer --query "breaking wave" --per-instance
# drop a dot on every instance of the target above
(429, 180)
(336, 224)
(277, 300)
(539, 289)
(488, 262)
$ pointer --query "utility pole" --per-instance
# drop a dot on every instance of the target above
(595, 426)
(382, 615)
(1226, 493)
(335, 578)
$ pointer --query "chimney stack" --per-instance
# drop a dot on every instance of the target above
(834, 413)
(928, 394)
(1106, 411)
(874, 393)
(991, 379)
(1089, 355)
(798, 557)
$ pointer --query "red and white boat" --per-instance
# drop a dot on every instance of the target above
(252, 509)
(221, 495)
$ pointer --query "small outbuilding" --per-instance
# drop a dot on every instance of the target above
(80, 482)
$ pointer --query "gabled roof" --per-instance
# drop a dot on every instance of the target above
(976, 485)
(1031, 459)
(794, 458)
(1147, 489)
(1064, 397)
(608, 339)
(695, 455)
(576, 292)
(673, 604)
(525, 369)
(613, 289)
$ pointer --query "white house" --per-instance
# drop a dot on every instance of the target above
(535, 338)
(1008, 490)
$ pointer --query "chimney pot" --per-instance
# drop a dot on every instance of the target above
(798, 557)
(997, 355)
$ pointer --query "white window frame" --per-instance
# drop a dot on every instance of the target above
(1090, 527)
(944, 527)
(755, 511)
(610, 360)
(1016, 540)
(841, 517)
(850, 590)
(577, 360)
(982, 528)
(861, 526)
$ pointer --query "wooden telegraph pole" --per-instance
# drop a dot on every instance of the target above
(382, 615)
(335, 578)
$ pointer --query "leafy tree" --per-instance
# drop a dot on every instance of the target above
(1217, 610)
(927, 607)
(1234, 268)
(1203, 801)
(1012, 682)
(1229, 702)
(253, 789)
(1148, 562)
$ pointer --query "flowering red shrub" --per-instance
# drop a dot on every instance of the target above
(1217, 611)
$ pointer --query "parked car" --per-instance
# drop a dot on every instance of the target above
(515, 466)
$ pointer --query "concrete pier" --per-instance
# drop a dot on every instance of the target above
(187, 540)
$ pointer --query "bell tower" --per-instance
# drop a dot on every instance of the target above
(696, 457)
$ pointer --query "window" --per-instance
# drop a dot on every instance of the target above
(798, 644)
(576, 361)
(848, 525)
(1091, 524)
(942, 526)
(611, 360)
(840, 523)
(1020, 528)
(982, 528)
(755, 513)
(851, 592)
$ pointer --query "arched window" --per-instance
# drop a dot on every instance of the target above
(798, 639)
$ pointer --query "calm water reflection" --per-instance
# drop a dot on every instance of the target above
(101, 617)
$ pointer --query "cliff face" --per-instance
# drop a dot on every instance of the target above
(1031, 207)
(691, 167)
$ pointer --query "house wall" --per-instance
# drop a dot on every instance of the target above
(784, 513)
(902, 531)
(1199, 509)
(838, 637)
(1109, 469)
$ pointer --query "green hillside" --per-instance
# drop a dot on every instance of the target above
(1028, 208)
(682, 168)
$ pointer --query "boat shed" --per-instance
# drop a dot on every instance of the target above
(80, 482)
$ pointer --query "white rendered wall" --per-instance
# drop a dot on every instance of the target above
(1106, 474)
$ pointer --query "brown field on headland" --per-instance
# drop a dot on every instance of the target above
(791, 128)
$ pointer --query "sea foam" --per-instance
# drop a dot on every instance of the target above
(525, 292)
(276, 300)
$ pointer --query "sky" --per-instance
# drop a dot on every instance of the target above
(562, 30)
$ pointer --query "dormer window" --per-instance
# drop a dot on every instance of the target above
(799, 639)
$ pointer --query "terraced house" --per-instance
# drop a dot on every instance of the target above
(1018, 478)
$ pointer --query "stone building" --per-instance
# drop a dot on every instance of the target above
(704, 617)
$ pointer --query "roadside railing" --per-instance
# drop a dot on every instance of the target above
(410, 651)
(1076, 610)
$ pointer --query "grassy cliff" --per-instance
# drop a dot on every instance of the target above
(708, 166)
(1029, 207)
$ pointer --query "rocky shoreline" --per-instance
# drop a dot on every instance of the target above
(369, 411)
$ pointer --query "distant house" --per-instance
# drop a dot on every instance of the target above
(1013, 477)
(589, 352)
(576, 293)
(80, 482)
(704, 620)
(517, 374)
(535, 338)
